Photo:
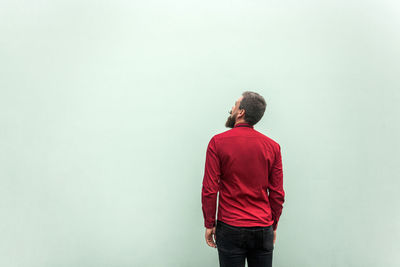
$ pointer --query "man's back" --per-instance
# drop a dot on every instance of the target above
(243, 165)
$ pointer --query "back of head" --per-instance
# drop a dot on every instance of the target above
(254, 105)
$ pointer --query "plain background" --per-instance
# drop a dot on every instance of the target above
(106, 109)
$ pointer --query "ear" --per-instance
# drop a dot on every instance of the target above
(241, 113)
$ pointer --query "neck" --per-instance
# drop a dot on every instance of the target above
(240, 121)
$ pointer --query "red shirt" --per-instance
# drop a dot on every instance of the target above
(242, 164)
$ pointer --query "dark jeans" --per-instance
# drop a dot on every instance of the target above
(235, 244)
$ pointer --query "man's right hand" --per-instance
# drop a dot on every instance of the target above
(274, 236)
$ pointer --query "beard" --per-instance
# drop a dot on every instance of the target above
(230, 122)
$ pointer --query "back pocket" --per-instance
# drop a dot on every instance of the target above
(268, 239)
(227, 237)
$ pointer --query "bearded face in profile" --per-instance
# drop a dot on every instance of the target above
(230, 122)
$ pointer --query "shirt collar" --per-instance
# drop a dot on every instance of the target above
(243, 124)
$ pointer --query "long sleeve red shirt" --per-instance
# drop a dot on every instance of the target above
(245, 167)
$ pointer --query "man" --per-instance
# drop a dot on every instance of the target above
(245, 167)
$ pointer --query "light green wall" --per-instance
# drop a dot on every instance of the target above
(106, 109)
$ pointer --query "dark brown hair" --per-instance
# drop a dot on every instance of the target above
(255, 106)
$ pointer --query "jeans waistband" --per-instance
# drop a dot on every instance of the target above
(242, 227)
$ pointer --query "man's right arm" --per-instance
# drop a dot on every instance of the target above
(275, 188)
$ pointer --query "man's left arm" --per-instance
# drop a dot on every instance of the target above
(212, 173)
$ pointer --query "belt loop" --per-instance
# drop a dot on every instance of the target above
(262, 238)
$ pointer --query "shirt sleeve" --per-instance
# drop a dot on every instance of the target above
(212, 173)
(276, 194)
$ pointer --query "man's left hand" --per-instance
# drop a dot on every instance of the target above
(210, 237)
